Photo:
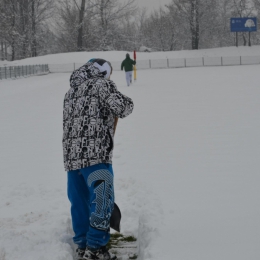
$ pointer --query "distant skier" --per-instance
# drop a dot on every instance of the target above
(91, 109)
(127, 64)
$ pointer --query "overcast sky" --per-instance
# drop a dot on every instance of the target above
(152, 4)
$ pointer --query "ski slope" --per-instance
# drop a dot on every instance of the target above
(186, 165)
(83, 57)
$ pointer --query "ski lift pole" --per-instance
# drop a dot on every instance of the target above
(135, 65)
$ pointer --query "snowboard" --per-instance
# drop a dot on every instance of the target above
(120, 246)
(115, 218)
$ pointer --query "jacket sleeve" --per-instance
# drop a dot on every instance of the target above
(134, 62)
(122, 65)
(119, 104)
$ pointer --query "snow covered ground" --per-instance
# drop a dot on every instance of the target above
(186, 165)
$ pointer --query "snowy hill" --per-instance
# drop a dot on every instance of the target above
(82, 57)
(186, 162)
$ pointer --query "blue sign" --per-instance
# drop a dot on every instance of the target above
(248, 24)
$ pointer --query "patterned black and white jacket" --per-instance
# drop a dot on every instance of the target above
(90, 108)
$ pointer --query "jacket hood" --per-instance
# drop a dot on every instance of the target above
(93, 68)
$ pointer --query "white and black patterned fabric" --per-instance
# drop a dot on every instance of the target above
(89, 111)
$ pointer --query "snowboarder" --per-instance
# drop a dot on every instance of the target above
(127, 64)
(91, 109)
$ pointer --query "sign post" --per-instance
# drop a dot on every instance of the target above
(135, 66)
(246, 24)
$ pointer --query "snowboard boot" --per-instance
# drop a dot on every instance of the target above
(80, 253)
(100, 254)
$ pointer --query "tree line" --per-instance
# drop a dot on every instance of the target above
(30, 28)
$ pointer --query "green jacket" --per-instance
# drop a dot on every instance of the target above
(128, 63)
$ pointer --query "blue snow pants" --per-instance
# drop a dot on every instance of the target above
(91, 193)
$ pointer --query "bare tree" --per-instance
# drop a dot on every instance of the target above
(108, 14)
(159, 31)
(81, 11)
(72, 23)
(42, 10)
(8, 23)
(190, 11)
(198, 16)
(80, 30)
(21, 24)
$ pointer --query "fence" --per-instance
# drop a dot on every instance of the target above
(14, 72)
(170, 63)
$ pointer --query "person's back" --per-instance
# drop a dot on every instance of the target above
(127, 64)
(91, 109)
(88, 120)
